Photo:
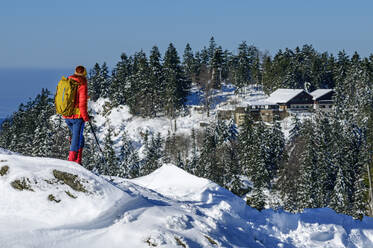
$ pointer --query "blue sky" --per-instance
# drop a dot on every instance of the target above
(49, 34)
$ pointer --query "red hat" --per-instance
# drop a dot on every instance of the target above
(80, 71)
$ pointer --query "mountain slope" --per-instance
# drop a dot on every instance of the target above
(53, 203)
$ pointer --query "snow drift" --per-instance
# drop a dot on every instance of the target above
(53, 203)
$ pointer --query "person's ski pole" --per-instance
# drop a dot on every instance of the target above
(98, 144)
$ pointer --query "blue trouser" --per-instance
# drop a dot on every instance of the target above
(76, 127)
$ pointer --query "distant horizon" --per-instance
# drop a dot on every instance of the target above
(24, 84)
(112, 62)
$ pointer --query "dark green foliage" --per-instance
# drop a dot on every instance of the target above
(129, 166)
(189, 62)
(111, 167)
(176, 84)
(120, 74)
(28, 130)
(153, 154)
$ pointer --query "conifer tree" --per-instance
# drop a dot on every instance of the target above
(188, 63)
(176, 86)
(104, 81)
(246, 145)
(234, 172)
(310, 191)
(211, 49)
(94, 87)
(204, 55)
(157, 82)
(153, 154)
(276, 149)
(193, 164)
(208, 159)
(119, 77)
(216, 68)
(129, 162)
(241, 67)
(111, 167)
(92, 159)
(139, 88)
(59, 137)
(326, 168)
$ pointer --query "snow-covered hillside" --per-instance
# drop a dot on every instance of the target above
(55, 203)
(120, 119)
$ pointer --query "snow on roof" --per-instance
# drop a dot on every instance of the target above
(319, 93)
(261, 102)
(283, 95)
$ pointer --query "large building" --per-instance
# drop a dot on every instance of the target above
(292, 99)
(278, 105)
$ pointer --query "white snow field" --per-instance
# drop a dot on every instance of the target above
(168, 208)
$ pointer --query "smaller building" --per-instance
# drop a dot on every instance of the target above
(323, 99)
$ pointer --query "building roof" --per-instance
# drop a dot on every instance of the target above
(261, 102)
(283, 95)
(319, 93)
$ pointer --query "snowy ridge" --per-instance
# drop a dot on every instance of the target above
(168, 208)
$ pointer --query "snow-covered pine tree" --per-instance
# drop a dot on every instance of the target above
(326, 168)
(139, 88)
(193, 162)
(211, 49)
(216, 65)
(104, 81)
(258, 170)
(294, 131)
(241, 67)
(246, 144)
(176, 85)
(120, 74)
(276, 149)
(207, 160)
(153, 154)
(234, 172)
(59, 138)
(42, 138)
(111, 167)
(94, 83)
(92, 159)
(310, 192)
(219, 172)
(157, 82)
(340, 199)
(188, 62)
(129, 161)
(204, 55)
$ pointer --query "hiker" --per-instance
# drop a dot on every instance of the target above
(76, 121)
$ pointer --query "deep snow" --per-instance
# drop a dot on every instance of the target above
(168, 208)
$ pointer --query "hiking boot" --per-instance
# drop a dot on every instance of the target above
(72, 156)
(79, 156)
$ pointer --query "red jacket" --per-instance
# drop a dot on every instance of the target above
(81, 99)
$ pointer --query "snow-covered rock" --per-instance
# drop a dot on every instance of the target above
(54, 203)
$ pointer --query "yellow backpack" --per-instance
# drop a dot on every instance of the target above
(64, 99)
